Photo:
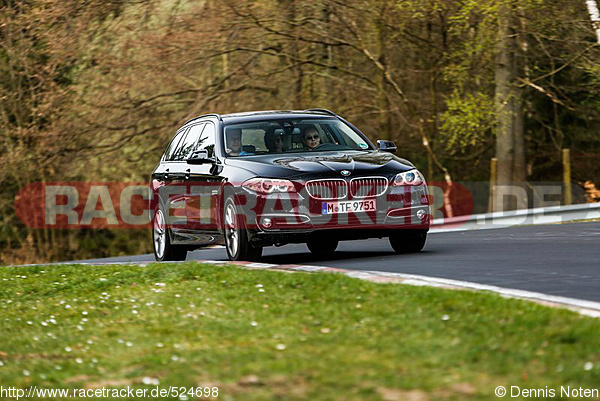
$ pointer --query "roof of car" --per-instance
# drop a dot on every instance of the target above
(276, 114)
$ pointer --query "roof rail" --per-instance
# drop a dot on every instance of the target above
(204, 115)
(331, 113)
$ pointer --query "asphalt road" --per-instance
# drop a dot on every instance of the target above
(559, 260)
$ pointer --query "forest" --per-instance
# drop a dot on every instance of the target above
(92, 90)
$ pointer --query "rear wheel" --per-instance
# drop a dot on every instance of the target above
(236, 236)
(322, 246)
(163, 249)
(408, 241)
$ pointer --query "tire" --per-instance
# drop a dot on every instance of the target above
(163, 249)
(236, 236)
(409, 241)
(322, 246)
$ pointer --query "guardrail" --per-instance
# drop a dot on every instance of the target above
(541, 215)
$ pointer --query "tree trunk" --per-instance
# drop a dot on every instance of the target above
(520, 165)
(508, 105)
(289, 22)
(594, 16)
(324, 54)
(382, 98)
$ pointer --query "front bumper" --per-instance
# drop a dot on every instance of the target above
(289, 218)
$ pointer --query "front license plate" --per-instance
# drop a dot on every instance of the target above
(348, 206)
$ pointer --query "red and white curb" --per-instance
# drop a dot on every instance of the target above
(587, 308)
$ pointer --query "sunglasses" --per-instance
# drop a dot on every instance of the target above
(312, 137)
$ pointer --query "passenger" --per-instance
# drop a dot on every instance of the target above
(274, 142)
(311, 138)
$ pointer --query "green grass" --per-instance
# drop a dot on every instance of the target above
(314, 336)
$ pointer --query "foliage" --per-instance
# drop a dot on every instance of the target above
(94, 90)
(468, 121)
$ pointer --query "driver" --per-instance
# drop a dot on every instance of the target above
(234, 143)
(311, 138)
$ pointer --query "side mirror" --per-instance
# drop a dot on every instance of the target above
(386, 146)
(200, 157)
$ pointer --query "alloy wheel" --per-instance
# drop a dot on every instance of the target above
(159, 233)
(232, 235)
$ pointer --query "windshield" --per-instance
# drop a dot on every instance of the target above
(291, 136)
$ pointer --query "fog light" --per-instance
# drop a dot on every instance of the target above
(421, 214)
(266, 222)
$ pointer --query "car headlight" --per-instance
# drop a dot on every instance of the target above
(269, 186)
(411, 177)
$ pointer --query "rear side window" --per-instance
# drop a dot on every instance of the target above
(206, 141)
(173, 144)
(187, 144)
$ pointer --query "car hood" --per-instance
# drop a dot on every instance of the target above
(322, 164)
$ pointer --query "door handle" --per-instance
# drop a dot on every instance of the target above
(166, 175)
(187, 174)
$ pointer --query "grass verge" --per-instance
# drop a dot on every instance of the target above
(274, 335)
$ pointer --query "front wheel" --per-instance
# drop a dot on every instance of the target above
(163, 249)
(236, 236)
(408, 241)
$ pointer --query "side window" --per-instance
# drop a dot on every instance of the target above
(173, 145)
(186, 145)
(207, 140)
